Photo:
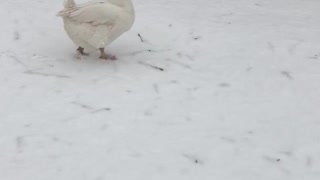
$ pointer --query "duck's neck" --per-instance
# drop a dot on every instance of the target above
(69, 3)
(125, 4)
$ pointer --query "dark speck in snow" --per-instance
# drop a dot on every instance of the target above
(224, 85)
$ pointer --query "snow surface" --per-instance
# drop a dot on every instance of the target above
(218, 90)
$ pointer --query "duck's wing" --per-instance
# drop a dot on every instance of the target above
(94, 13)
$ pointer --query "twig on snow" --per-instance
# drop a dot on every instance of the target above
(141, 39)
(152, 66)
(46, 74)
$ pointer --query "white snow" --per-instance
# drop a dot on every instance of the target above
(238, 97)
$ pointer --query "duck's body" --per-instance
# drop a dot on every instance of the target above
(96, 24)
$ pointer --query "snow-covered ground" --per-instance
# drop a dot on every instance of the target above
(218, 90)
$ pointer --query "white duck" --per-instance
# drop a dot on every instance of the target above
(96, 24)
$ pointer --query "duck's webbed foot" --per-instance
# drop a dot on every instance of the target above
(106, 56)
(81, 51)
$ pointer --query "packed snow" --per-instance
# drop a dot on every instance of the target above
(202, 90)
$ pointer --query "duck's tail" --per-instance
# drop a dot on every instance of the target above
(69, 4)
